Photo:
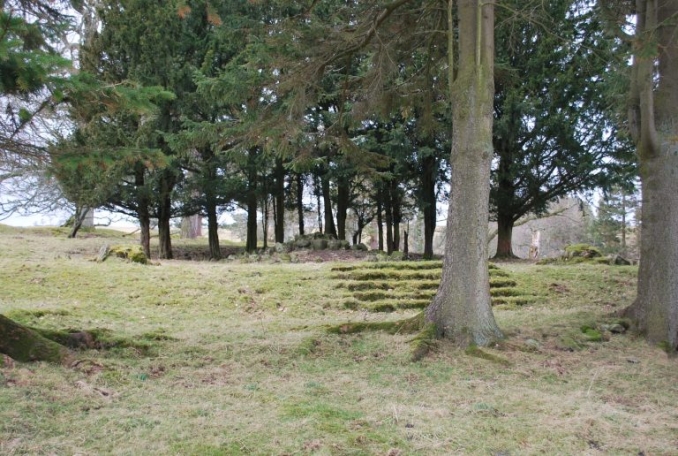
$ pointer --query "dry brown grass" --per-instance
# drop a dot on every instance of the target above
(249, 369)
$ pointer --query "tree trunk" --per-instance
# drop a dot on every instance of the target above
(654, 123)
(388, 213)
(251, 242)
(461, 310)
(318, 197)
(396, 204)
(300, 202)
(428, 200)
(330, 227)
(213, 230)
(504, 236)
(406, 245)
(279, 202)
(264, 220)
(191, 227)
(167, 181)
(343, 197)
(251, 201)
(143, 213)
(81, 213)
(144, 230)
(23, 344)
(380, 221)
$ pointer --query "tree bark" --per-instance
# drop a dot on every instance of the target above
(504, 236)
(213, 230)
(388, 216)
(343, 197)
(396, 208)
(318, 198)
(143, 212)
(655, 310)
(300, 202)
(461, 310)
(251, 241)
(191, 227)
(330, 227)
(23, 344)
(428, 196)
(167, 182)
(264, 219)
(380, 221)
(279, 209)
(81, 212)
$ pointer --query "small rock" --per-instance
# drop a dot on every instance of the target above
(532, 344)
(103, 253)
(617, 329)
(633, 360)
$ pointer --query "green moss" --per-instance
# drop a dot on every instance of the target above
(582, 250)
(407, 326)
(568, 342)
(477, 352)
(424, 342)
(506, 291)
(24, 344)
(134, 253)
(502, 282)
(25, 315)
(393, 305)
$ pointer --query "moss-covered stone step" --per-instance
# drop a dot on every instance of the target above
(387, 305)
(389, 274)
(389, 285)
(403, 274)
(408, 265)
(498, 282)
(377, 295)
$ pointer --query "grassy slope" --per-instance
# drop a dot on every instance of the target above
(251, 371)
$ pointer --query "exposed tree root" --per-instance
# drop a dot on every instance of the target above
(24, 344)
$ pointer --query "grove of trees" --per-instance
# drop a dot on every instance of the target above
(172, 109)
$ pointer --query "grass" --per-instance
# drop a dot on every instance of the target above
(240, 361)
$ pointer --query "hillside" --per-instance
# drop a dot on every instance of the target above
(235, 357)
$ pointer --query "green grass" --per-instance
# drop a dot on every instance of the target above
(236, 358)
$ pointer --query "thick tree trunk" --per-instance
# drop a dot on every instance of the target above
(300, 202)
(655, 124)
(279, 202)
(330, 227)
(504, 236)
(461, 310)
(343, 196)
(23, 344)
